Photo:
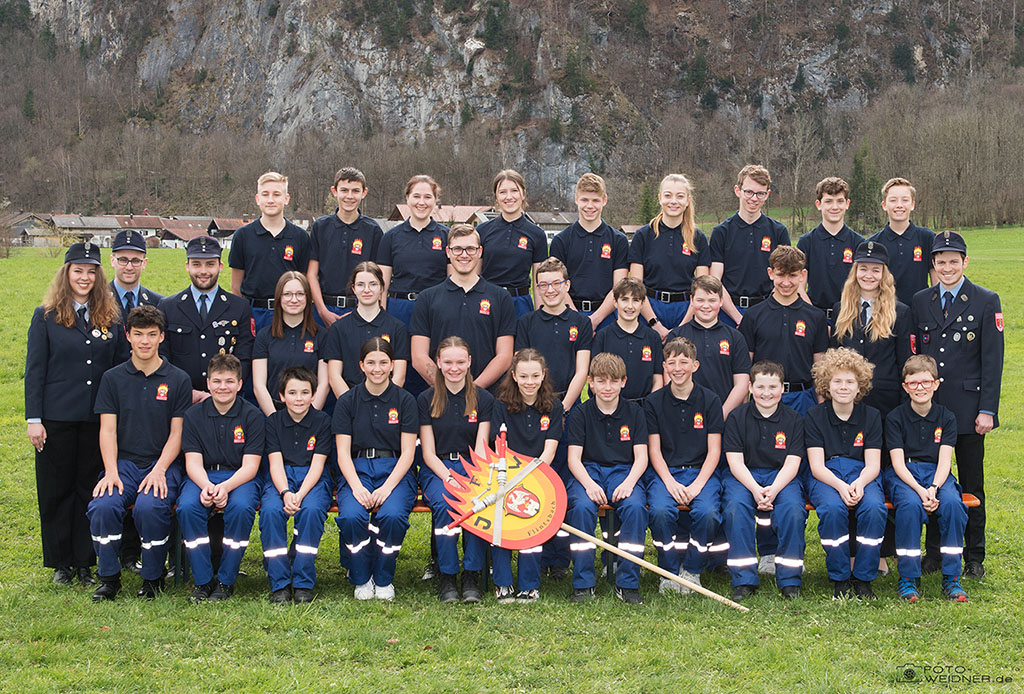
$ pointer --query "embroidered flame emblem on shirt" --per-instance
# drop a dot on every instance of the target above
(357, 246)
(698, 421)
(435, 243)
(766, 244)
(485, 307)
(308, 347)
(859, 441)
(606, 251)
(917, 254)
(239, 434)
(545, 422)
(801, 329)
(393, 416)
(847, 255)
(723, 347)
(311, 444)
(386, 337)
(522, 242)
(624, 433)
(646, 354)
(938, 434)
(471, 416)
(686, 249)
(289, 252)
(780, 439)
(161, 391)
(574, 332)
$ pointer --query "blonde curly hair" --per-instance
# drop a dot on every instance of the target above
(842, 359)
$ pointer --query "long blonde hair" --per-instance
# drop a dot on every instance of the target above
(439, 403)
(883, 309)
(103, 310)
(689, 225)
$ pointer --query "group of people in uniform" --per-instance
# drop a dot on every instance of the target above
(704, 389)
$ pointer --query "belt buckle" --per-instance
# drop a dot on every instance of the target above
(744, 302)
(665, 297)
(413, 296)
(270, 304)
(787, 386)
(586, 305)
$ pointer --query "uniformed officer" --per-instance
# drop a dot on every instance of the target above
(829, 247)
(960, 324)
(204, 320)
(339, 242)
(513, 245)
(141, 404)
(265, 248)
(74, 337)
(128, 258)
(223, 441)
(909, 245)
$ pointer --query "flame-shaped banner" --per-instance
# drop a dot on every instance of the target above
(530, 514)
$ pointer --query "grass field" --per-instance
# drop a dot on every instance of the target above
(55, 639)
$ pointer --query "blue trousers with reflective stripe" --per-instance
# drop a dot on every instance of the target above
(193, 518)
(375, 539)
(631, 518)
(789, 518)
(297, 567)
(670, 314)
(152, 515)
(834, 522)
(689, 550)
(447, 541)
(951, 516)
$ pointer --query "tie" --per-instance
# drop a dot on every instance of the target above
(129, 302)
(82, 323)
(864, 313)
(204, 312)
(947, 301)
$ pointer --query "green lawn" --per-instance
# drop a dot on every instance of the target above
(56, 639)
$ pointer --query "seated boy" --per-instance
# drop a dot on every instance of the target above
(844, 449)
(637, 343)
(920, 435)
(223, 439)
(684, 426)
(764, 444)
(607, 438)
(298, 443)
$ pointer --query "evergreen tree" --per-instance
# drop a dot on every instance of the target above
(865, 189)
(648, 207)
(28, 105)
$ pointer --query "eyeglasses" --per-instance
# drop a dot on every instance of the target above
(544, 286)
(919, 385)
(134, 262)
(288, 296)
(759, 194)
(464, 250)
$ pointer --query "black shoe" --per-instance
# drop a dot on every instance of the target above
(149, 588)
(85, 576)
(430, 571)
(862, 590)
(741, 593)
(974, 569)
(558, 573)
(63, 575)
(303, 596)
(109, 585)
(842, 590)
(471, 587)
(581, 595)
(790, 592)
(202, 593)
(221, 592)
(931, 564)
(281, 596)
(630, 596)
(133, 564)
(447, 591)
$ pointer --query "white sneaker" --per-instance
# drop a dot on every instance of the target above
(667, 585)
(365, 591)
(504, 594)
(692, 578)
(384, 592)
(766, 566)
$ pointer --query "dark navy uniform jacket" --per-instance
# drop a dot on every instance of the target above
(591, 258)
(527, 430)
(64, 367)
(510, 250)
(417, 258)
(223, 439)
(743, 250)
(684, 425)
(765, 442)
(910, 258)
(669, 263)
(339, 247)
(829, 259)
(266, 257)
(144, 297)
(823, 429)
(968, 347)
(921, 437)
(189, 344)
(722, 352)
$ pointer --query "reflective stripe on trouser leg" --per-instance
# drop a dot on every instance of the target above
(789, 518)
(663, 517)
(309, 526)
(446, 539)
(153, 517)
(391, 521)
(528, 568)
(910, 517)
(631, 520)
(238, 517)
(705, 522)
(738, 513)
(581, 514)
(106, 518)
(193, 519)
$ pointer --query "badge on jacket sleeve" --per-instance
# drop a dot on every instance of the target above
(999, 322)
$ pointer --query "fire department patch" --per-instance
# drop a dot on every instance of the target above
(686, 249)
(522, 242)
(311, 444)
(307, 347)
(938, 434)
(485, 307)
(624, 433)
(780, 439)
(545, 423)
(723, 347)
(859, 441)
(698, 421)
(999, 322)
(393, 416)
(766, 244)
(847, 255)
(435, 243)
(574, 332)
(801, 329)
(917, 254)
(645, 354)
(289, 252)
(606, 251)
(471, 416)
(357, 246)
(239, 434)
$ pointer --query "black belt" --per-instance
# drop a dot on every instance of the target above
(216, 467)
(375, 453)
(262, 303)
(827, 311)
(408, 296)
(340, 301)
(748, 301)
(796, 386)
(668, 297)
(517, 291)
(450, 456)
(586, 304)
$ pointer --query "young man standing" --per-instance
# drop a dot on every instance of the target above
(829, 247)
(960, 325)
(467, 305)
(741, 244)
(909, 246)
(339, 242)
(128, 258)
(141, 404)
(265, 248)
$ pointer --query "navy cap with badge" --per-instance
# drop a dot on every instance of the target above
(871, 252)
(949, 241)
(203, 247)
(87, 253)
(128, 240)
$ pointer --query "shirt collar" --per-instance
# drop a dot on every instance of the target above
(450, 285)
(366, 396)
(212, 294)
(619, 409)
(774, 417)
(121, 291)
(160, 370)
(955, 290)
(856, 417)
(211, 408)
(306, 422)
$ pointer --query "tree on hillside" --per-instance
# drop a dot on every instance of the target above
(865, 189)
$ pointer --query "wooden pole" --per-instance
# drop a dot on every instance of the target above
(652, 567)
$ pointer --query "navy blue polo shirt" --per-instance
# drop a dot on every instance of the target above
(479, 316)
(640, 349)
(910, 258)
(829, 259)
(298, 442)
(266, 257)
(511, 249)
(764, 441)
(145, 406)
(591, 258)
(455, 430)
(339, 247)
(529, 429)
(607, 439)
(790, 335)
(669, 262)
(223, 439)
(348, 334)
(823, 429)
(293, 348)
(743, 250)
(417, 258)
(920, 437)
(376, 421)
(684, 425)
(722, 352)
(559, 338)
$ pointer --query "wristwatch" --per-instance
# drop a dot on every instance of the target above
(653, 322)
